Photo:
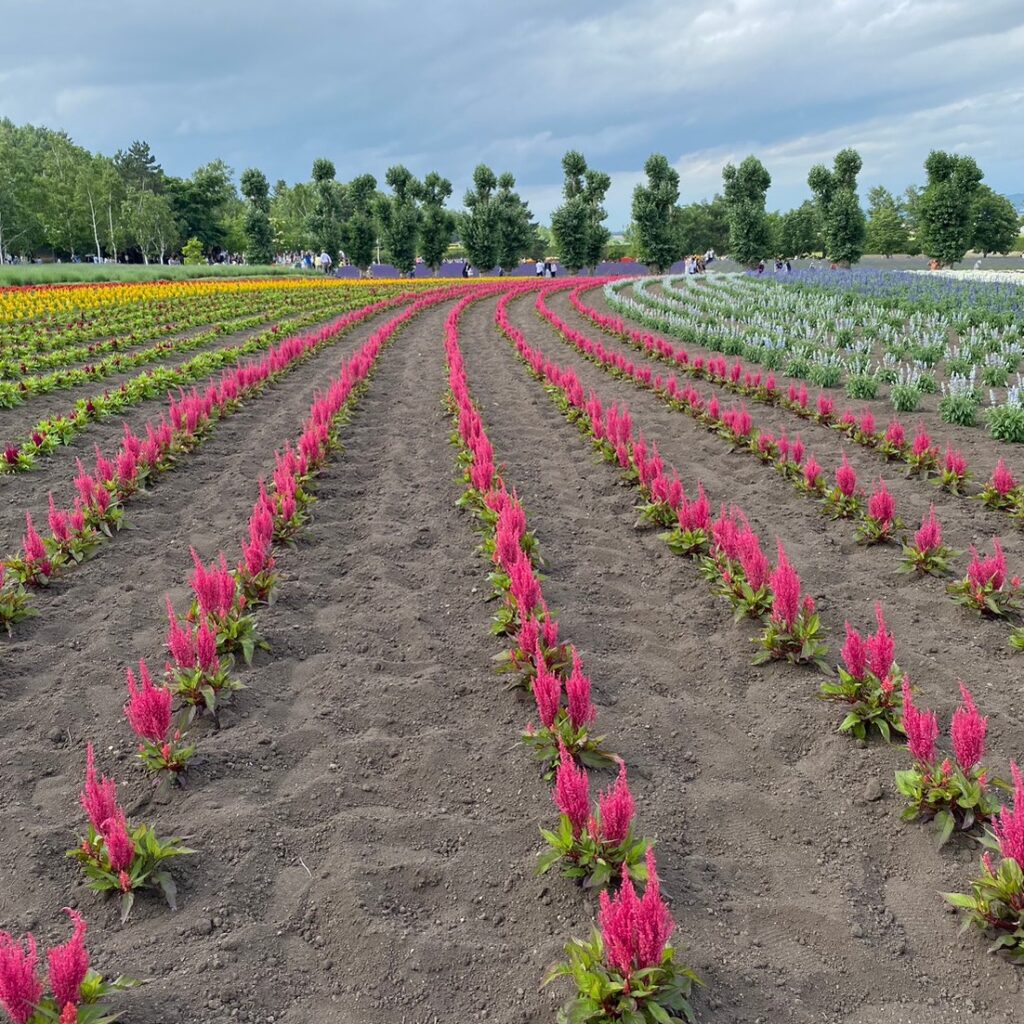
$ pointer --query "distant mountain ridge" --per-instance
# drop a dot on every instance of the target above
(1017, 198)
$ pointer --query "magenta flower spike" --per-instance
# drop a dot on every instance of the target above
(967, 732)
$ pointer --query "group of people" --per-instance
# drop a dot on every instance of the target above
(545, 268)
(781, 266)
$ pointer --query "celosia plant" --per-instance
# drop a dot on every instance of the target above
(564, 727)
(868, 682)
(986, 588)
(162, 750)
(14, 602)
(1002, 490)
(793, 631)
(996, 903)
(927, 554)
(594, 845)
(219, 603)
(956, 798)
(880, 522)
(115, 857)
(693, 530)
(627, 970)
(953, 475)
(71, 992)
(197, 673)
(845, 499)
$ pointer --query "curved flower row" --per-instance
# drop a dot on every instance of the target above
(1002, 492)
(870, 685)
(627, 969)
(99, 508)
(986, 587)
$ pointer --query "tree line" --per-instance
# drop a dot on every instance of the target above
(57, 197)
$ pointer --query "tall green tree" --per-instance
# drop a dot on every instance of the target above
(202, 203)
(745, 190)
(479, 228)
(360, 228)
(290, 209)
(843, 225)
(578, 224)
(63, 214)
(399, 217)
(886, 229)
(945, 222)
(438, 224)
(150, 224)
(258, 232)
(995, 225)
(517, 235)
(138, 168)
(656, 236)
(324, 226)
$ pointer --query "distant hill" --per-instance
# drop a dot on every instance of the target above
(1017, 198)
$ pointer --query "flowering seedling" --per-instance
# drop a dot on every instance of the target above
(793, 631)
(116, 858)
(219, 604)
(928, 554)
(33, 567)
(72, 991)
(1002, 490)
(162, 750)
(199, 676)
(564, 728)
(627, 970)
(692, 532)
(867, 684)
(953, 476)
(594, 846)
(880, 522)
(845, 499)
(996, 903)
(955, 798)
(923, 457)
(986, 589)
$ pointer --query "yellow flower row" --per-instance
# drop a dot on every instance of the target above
(27, 303)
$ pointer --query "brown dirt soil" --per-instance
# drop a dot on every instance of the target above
(366, 824)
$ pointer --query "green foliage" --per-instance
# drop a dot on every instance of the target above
(437, 224)
(944, 207)
(961, 410)
(994, 222)
(324, 226)
(842, 219)
(1006, 422)
(745, 190)
(192, 253)
(577, 225)
(656, 237)
(703, 226)
(202, 203)
(258, 231)
(149, 223)
(497, 229)
(360, 229)
(399, 217)
(886, 229)
(799, 234)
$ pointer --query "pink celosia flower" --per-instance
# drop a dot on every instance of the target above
(922, 442)
(654, 923)
(882, 505)
(618, 920)
(99, 795)
(929, 536)
(577, 695)
(921, 727)
(214, 587)
(149, 707)
(984, 571)
(59, 525)
(69, 964)
(825, 405)
(867, 422)
(179, 640)
(955, 463)
(785, 587)
(796, 450)
(880, 646)
(617, 808)
(812, 471)
(547, 692)
(1002, 479)
(206, 648)
(1008, 825)
(33, 546)
(846, 478)
(20, 989)
(118, 841)
(572, 790)
(756, 566)
(895, 433)
(854, 653)
(967, 732)
(524, 585)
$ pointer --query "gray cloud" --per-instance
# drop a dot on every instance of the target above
(445, 85)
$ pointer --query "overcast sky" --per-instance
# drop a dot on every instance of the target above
(444, 85)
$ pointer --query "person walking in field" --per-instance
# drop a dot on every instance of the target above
(325, 261)
(539, 268)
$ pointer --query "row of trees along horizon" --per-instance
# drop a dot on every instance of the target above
(57, 198)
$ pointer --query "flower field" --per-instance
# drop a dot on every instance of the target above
(514, 650)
